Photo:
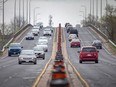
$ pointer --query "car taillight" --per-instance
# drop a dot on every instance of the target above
(81, 55)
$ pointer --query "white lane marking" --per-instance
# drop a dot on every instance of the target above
(10, 77)
(107, 74)
(29, 78)
(22, 39)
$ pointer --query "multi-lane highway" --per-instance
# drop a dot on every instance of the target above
(14, 75)
(102, 74)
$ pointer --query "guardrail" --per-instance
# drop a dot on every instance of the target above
(15, 35)
(102, 34)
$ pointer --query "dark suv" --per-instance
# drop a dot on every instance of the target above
(73, 31)
(97, 44)
(14, 49)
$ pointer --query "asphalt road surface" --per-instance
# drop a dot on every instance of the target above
(14, 75)
(102, 74)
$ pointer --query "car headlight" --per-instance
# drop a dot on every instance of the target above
(21, 58)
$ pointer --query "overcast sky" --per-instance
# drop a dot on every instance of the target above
(62, 10)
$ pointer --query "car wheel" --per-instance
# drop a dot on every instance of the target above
(35, 62)
(101, 47)
(46, 50)
(20, 62)
(43, 56)
(9, 54)
(71, 46)
(96, 61)
(80, 61)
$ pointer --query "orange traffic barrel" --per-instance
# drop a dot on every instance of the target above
(58, 74)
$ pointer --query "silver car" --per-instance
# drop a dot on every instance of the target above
(45, 46)
(35, 32)
(29, 36)
(47, 32)
(39, 51)
(27, 56)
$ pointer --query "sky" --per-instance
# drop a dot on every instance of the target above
(62, 11)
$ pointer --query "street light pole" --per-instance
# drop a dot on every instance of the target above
(93, 8)
(101, 8)
(106, 7)
(96, 10)
(85, 11)
(90, 10)
(3, 22)
(29, 11)
(83, 16)
(19, 13)
(23, 13)
(14, 16)
(34, 15)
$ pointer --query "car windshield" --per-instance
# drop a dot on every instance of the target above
(15, 45)
(27, 52)
(43, 38)
(75, 40)
(89, 49)
(29, 34)
(38, 48)
(34, 29)
(42, 42)
(47, 30)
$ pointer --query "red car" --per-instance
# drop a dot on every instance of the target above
(75, 43)
(88, 53)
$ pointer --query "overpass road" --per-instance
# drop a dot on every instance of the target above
(102, 74)
(14, 75)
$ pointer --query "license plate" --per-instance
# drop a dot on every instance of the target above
(88, 54)
(26, 60)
